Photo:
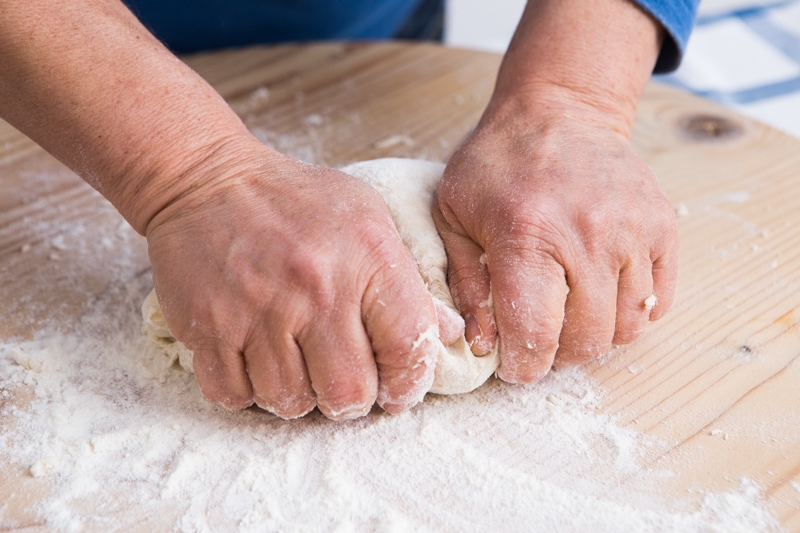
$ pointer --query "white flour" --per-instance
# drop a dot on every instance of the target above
(109, 438)
(110, 428)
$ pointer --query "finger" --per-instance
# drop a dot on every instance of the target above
(451, 325)
(468, 278)
(400, 317)
(221, 375)
(529, 293)
(665, 281)
(634, 288)
(281, 384)
(340, 363)
(589, 316)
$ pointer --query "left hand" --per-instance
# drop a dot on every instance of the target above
(576, 230)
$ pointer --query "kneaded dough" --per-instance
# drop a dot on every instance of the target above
(408, 187)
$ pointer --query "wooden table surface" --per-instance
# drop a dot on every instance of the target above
(717, 380)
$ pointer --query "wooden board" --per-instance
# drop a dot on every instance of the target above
(716, 380)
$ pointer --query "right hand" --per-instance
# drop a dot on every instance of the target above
(288, 281)
(291, 286)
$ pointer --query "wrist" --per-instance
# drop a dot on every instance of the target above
(593, 57)
(548, 107)
(149, 193)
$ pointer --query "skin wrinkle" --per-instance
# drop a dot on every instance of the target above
(592, 102)
(216, 179)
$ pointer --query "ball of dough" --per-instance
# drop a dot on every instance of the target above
(408, 187)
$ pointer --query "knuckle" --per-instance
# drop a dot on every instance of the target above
(207, 320)
(405, 387)
(381, 257)
(665, 214)
(602, 231)
(375, 233)
(539, 220)
(634, 223)
(544, 341)
(602, 219)
(312, 270)
(662, 225)
(534, 236)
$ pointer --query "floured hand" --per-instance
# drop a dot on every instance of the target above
(292, 288)
(564, 230)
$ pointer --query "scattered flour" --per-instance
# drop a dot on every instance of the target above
(118, 433)
(305, 146)
(58, 243)
(100, 432)
(681, 210)
(393, 141)
(733, 197)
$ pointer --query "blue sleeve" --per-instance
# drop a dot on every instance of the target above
(677, 17)
(188, 26)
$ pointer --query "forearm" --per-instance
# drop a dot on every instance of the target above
(598, 54)
(86, 81)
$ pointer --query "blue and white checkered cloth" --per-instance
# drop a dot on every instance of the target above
(746, 55)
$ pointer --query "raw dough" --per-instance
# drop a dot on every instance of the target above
(407, 186)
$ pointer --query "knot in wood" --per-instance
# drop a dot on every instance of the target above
(705, 128)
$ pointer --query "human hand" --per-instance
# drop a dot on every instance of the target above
(576, 231)
(288, 281)
(292, 288)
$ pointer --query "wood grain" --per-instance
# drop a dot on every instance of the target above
(717, 381)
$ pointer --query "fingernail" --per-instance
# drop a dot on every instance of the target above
(472, 329)
(478, 343)
(451, 325)
(350, 413)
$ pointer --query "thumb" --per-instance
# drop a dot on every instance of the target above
(451, 325)
(468, 277)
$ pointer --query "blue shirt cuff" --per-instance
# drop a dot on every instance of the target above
(677, 17)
